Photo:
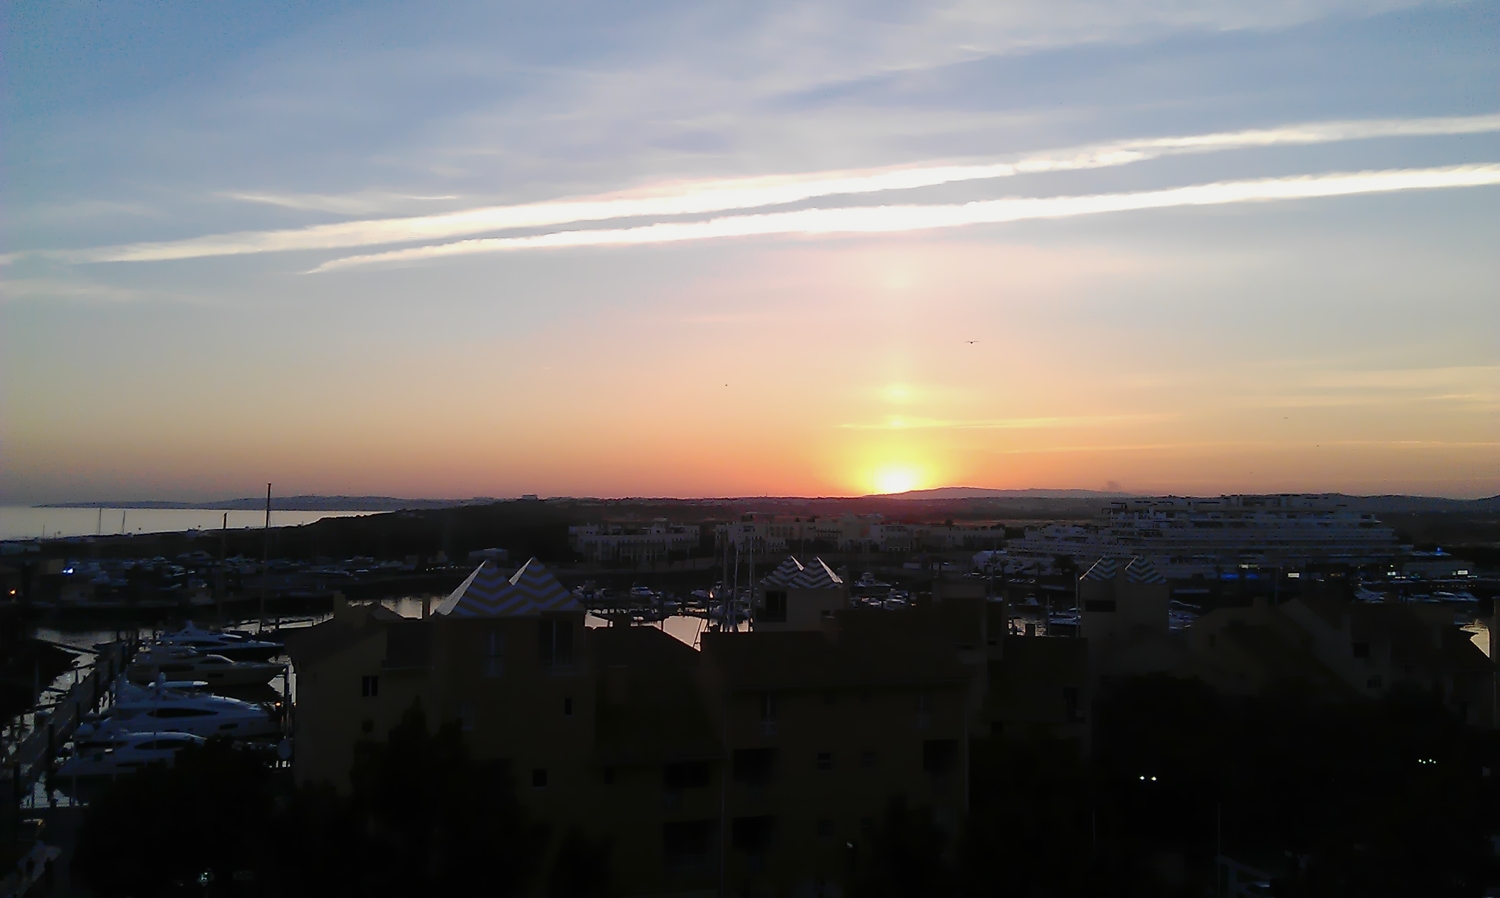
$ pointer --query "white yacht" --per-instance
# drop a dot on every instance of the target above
(156, 709)
(230, 644)
(162, 660)
(111, 754)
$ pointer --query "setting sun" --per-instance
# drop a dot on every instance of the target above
(895, 480)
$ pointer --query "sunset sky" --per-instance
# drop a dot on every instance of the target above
(686, 249)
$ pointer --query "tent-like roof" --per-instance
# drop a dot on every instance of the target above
(530, 591)
(1140, 570)
(793, 574)
(1137, 570)
(1103, 569)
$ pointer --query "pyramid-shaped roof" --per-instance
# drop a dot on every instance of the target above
(1141, 570)
(793, 574)
(1103, 569)
(528, 592)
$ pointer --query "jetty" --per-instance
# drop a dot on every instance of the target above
(28, 758)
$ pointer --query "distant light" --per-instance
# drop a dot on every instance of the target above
(1294, 575)
(1153, 779)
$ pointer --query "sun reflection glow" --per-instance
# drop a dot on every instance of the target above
(895, 480)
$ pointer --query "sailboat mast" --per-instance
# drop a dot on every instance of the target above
(265, 558)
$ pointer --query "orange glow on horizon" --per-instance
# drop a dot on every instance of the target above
(896, 479)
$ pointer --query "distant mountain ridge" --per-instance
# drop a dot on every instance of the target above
(290, 503)
(1391, 504)
(979, 492)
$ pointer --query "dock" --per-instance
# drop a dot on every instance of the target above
(26, 761)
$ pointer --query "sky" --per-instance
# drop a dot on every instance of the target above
(689, 249)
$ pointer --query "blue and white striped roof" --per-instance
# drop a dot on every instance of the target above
(1140, 570)
(793, 574)
(528, 592)
(1137, 570)
(1103, 569)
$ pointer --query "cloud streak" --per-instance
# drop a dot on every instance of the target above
(889, 219)
(750, 193)
(918, 423)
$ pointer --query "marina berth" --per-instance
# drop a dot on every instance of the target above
(215, 670)
(110, 755)
(231, 644)
(156, 709)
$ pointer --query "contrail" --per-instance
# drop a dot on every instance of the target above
(885, 219)
(750, 193)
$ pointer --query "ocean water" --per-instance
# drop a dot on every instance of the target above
(26, 522)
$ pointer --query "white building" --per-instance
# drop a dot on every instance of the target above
(1282, 529)
(632, 542)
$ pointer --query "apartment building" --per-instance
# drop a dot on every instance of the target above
(797, 596)
(633, 543)
(1178, 531)
(1346, 651)
(749, 766)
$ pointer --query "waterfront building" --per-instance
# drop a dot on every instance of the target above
(1123, 598)
(754, 763)
(797, 596)
(1185, 535)
(1345, 651)
(633, 543)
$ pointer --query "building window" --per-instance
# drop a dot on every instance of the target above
(609, 776)
(568, 706)
(830, 698)
(1106, 606)
(1070, 703)
(1373, 683)
(867, 825)
(466, 717)
(825, 829)
(825, 760)
(939, 756)
(686, 844)
(752, 835)
(753, 766)
(775, 611)
(1361, 649)
(369, 687)
(768, 713)
(539, 778)
(867, 758)
(680, 775)
(493, 652)
(555, 643)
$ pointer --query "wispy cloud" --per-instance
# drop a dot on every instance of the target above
(888, 219)
(918, 423)
(365, 202)
(709, 197)
(51, 288)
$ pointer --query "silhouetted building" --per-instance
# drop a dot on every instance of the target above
(797, 596)
(760, 758)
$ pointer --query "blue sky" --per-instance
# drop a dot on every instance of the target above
(1199, 348)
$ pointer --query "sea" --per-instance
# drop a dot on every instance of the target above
(30, 522)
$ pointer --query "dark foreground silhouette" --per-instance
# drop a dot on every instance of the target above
(1394, 798)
